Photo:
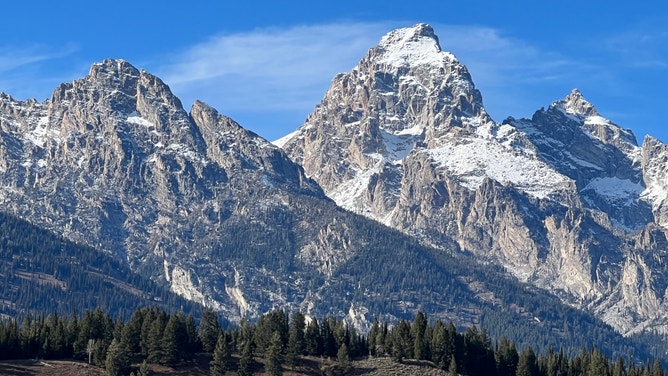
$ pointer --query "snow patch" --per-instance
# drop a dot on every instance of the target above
(136, 119)
(284, 140)
(476, 159)
(404, 47)
(616, 190)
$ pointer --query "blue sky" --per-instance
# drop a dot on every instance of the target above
(268, 63)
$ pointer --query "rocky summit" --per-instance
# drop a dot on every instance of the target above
(566, 201)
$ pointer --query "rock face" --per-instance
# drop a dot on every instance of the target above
(566, 200)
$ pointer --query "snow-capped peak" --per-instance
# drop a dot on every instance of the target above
(412, 45)
(576, 104)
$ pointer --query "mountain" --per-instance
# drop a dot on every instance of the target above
(221, 217)
(566, 201)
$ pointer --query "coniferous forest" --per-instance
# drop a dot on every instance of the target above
(283, 341)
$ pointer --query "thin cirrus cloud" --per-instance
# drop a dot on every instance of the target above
(270, 69)
(25, 73)
(640, 48)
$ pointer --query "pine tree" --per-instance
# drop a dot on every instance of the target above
(438, 346)
(194, 344)
(506, 358)
(208, 330)
(452, 369)
(527, 365)
(273, 358)
(246, 360)
(420, 346)
(296, 339)
(117, 362)
(401, 341)
(221, 355)
(144, 369)
(173, 338)
(313, 339)
(154, 340)
(343, 359)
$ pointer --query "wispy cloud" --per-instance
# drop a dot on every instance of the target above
(270, 68)
(23, 69)
(15, 57)
(640, 47)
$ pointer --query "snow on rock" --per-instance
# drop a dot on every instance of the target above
(412, 46)
(476, 159)
(616, 190)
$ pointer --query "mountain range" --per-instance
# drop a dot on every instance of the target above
(399, 193)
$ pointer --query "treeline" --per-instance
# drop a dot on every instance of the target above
(153, 336)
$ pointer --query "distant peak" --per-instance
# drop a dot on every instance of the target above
(113, 67)
(408, 35)
(418, 44)
(575, 103)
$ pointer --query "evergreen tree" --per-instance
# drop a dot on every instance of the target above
(131, 334)
(402, 343)
(313, 339)
(173, 338)
(527, 364)
(221, 355)
(144, 369)
(343, 359)
(208, 330)
(506, 358)
(117, 362)
(452, 368)
(194, 344)
(420, 345)
(246, 360)
(373, 337)
(439, 351)
(296, 339)
(619, 369)
(154, 340)
(273, 357)
(656, 369)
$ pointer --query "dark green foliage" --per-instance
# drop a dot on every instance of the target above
(274, 322)
(506, 358)
(402, 342)
(343, 359)
(174, 340)
(208, 329)
(528, 365)
(41, 272)
(221, 355)
(296, 339)
(273, 356)
(312, 338)
(117, 362)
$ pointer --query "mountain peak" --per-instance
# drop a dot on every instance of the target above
(113, 67)
(417, 44)
(575, 104)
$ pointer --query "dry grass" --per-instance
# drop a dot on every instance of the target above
(199, 366)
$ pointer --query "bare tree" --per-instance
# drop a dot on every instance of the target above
(90, 348)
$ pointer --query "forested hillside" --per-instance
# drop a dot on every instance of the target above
(41, 272)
